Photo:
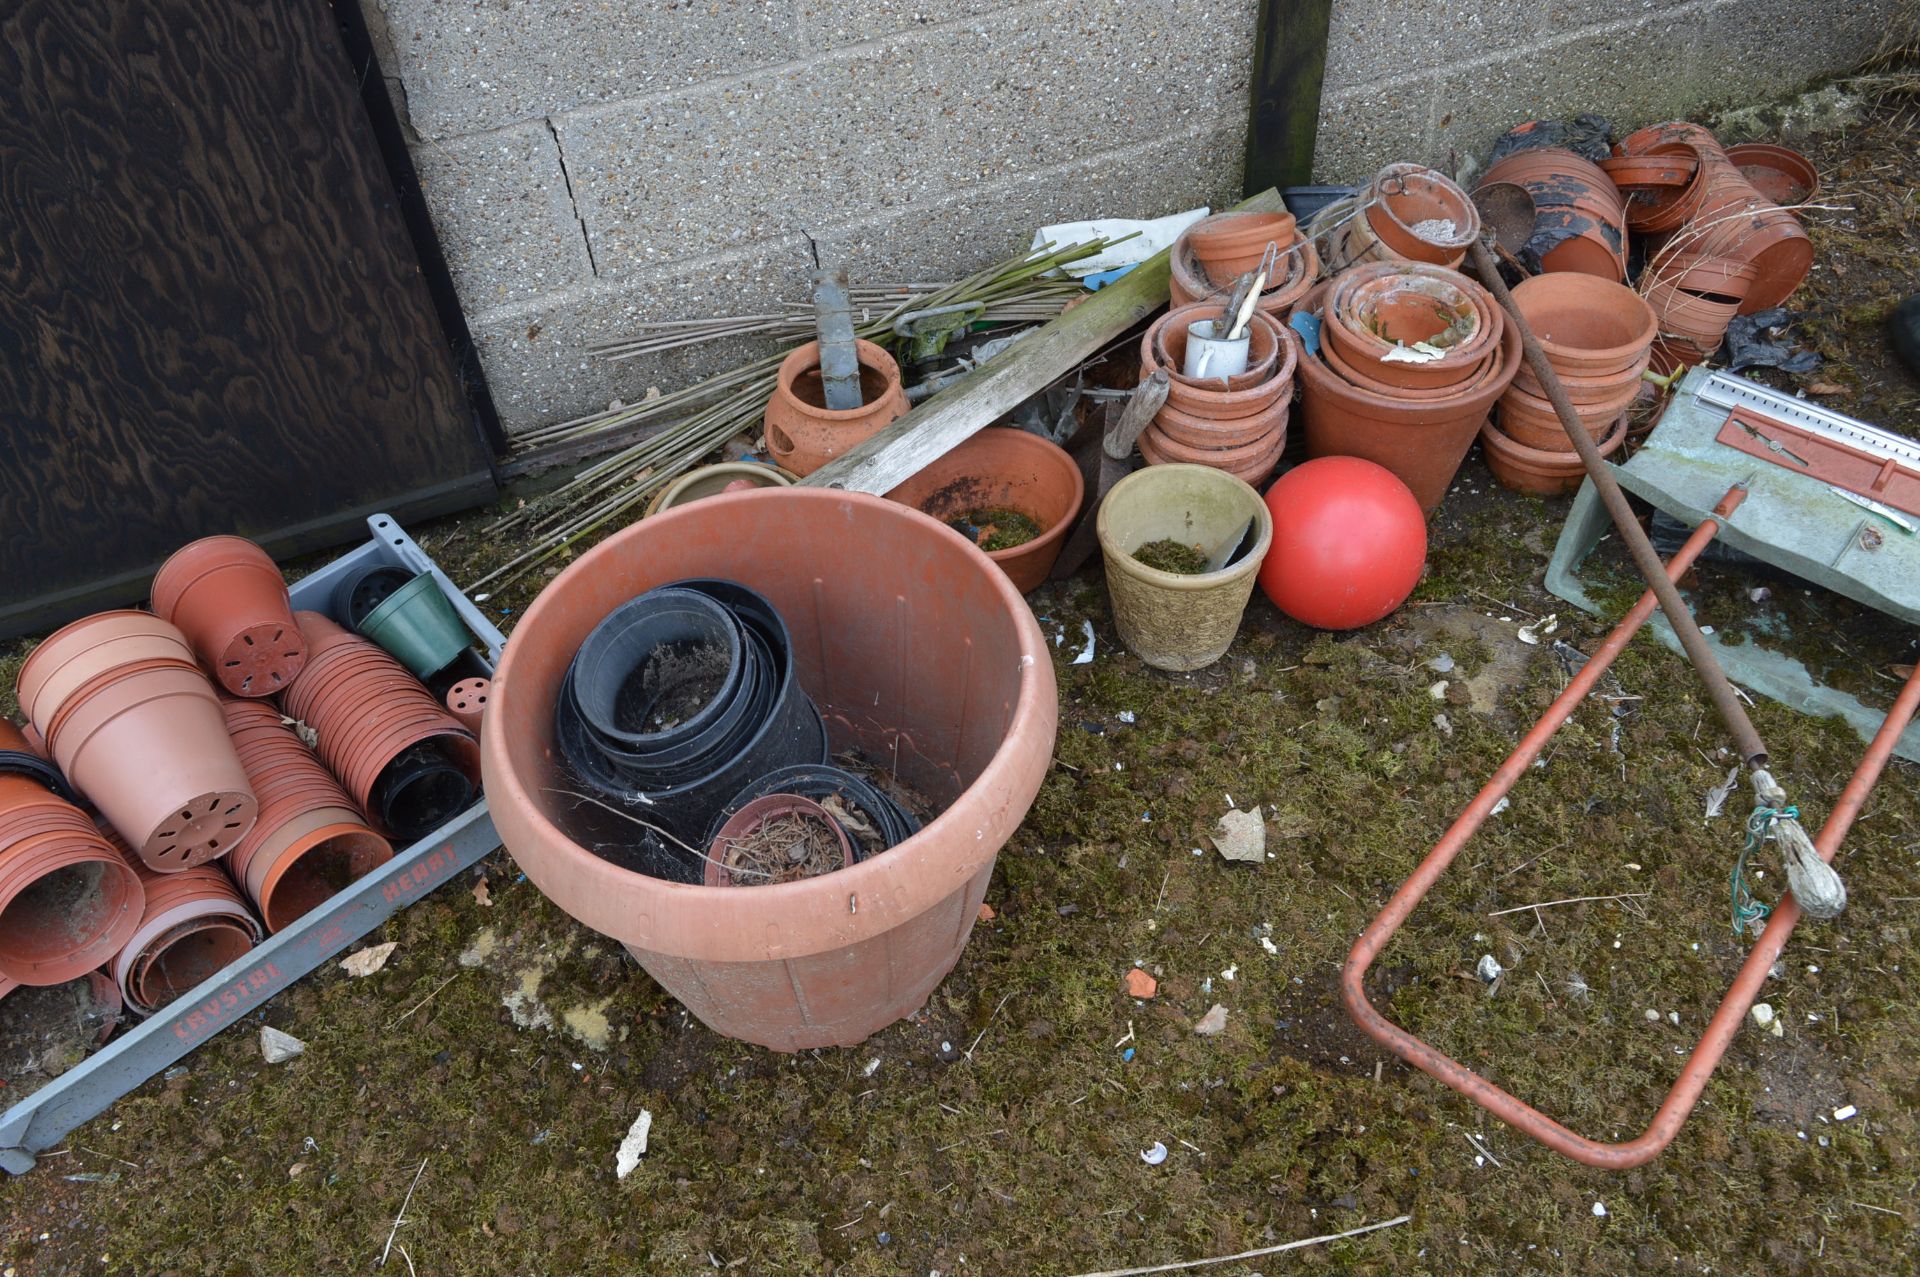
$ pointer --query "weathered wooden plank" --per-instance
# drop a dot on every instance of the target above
(1283, 117)
(985, 395)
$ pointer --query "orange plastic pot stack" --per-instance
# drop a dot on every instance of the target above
(1237, 424)
(311, 840)
(1363, 395)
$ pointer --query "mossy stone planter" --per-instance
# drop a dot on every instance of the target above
(1169, 620)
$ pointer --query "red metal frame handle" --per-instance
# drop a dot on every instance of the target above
(1766, 951)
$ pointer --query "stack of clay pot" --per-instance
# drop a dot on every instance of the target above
(1573, 203)
(194, 923)
(1237, 424)
(1720, 247)
(1410, 213)
(68, 901)
(1597, 334)
(804, 434)
(404, 760)
(310, 840)
(1368, 394)
(1211, 256)
(135, 725)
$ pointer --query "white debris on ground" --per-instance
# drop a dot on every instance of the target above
(1213, 1023)
(367, 961)
(1241, 836)
(277, 1047)
(634, 1146)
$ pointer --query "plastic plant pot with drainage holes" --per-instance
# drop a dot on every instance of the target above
(418, 626)
(229, 599)
(233, 994)
(926, 656)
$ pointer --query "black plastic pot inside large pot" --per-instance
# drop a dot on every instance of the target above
(756, 724)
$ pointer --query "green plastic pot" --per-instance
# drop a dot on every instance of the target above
(418, 625)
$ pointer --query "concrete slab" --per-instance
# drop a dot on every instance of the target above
(505, 219)
(1363, 129)
(899, 123)
(827, 24)
(1373, 44)
(470, 66)
(1756, 50)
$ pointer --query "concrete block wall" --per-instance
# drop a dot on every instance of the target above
(593, 164)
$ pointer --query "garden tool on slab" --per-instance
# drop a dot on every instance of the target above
(1816, 890)
(1116, 462)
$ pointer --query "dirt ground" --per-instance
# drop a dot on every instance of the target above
(503, 1052)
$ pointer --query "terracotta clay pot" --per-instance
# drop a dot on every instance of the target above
(1228, 245)
(229, 599)
(1002, 468)
(803, 434)
(1169, 620)
(1406, 196)
(1221, 432)
(757, 813)
(194, 924)
(826, 961)
(1299, 267)
(148, 746)
(367, 712)
(1530, 420)
(467, 699)
(1421, 441)
(1539, 472)
(1371, 310)
(1250, 463)
(309, 842)
(1778, 173)
(1571, 197)
(68, 901)
(1164, 345)
(1588, 327)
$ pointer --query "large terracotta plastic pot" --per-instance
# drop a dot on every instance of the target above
(68, 901)
(1002, 468)
(76, 654)
(1228, 245)
(1542, 473)
(228, 597)
(1588, 327)
(151, 751)
(194, 924)
(923, 654)
(1170, 620)
(1422, 441)
(804, 434)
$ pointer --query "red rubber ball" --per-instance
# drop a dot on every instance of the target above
(1349, 542)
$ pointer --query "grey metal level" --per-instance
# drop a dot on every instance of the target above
(235, 993)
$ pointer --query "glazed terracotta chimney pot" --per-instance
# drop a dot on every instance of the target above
(1003, 468)
(228, 597)
(804, 434)
(924, 655)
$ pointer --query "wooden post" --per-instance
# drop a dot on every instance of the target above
(1289, 63)
(1002, 384)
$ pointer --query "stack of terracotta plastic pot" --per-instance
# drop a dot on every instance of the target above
(135, 725)
(1597, 335)
(225, 594)
(1237, 424)
(1411, 213)
(68, 901)
(1574, 202)
(404, 760)
(310, 840)
(194, 924)
(1722, 247)
(1368, 392)
(804, 434)
(1238, 242)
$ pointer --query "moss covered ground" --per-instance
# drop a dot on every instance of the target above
(503, 1052)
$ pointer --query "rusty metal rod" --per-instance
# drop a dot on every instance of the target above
(1752, 749)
